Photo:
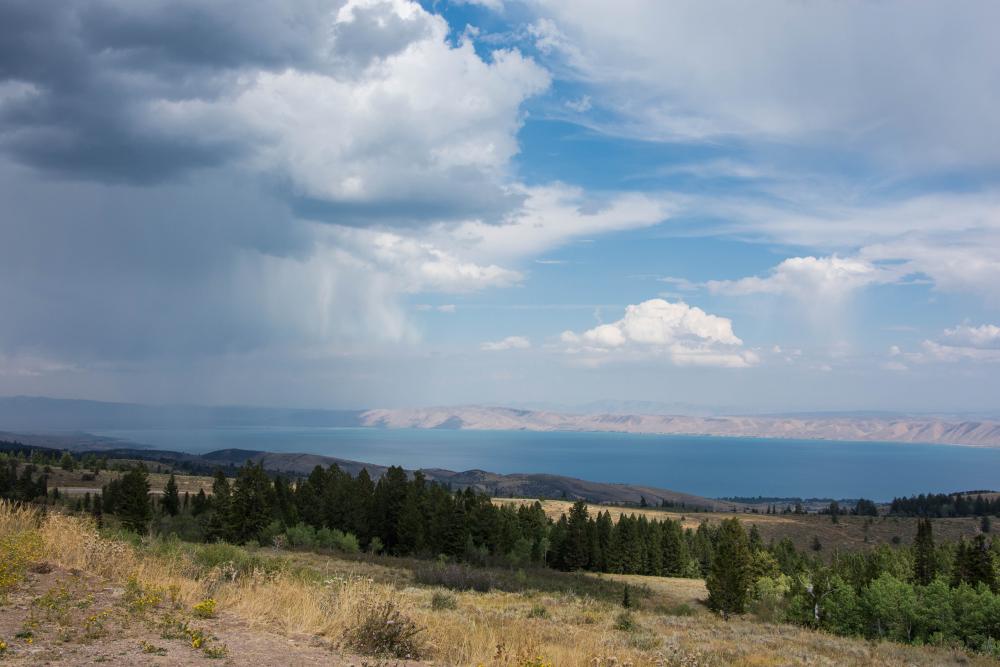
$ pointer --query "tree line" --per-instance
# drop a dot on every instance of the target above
(946, 505)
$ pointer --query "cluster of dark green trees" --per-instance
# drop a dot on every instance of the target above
(632, 545)
(398, 514)
(27, 485)
(939, 594)
(945, 505)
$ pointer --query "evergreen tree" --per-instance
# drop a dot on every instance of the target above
(728, 581)
(576, 547)
(67, 462)
(977, 566)
(171, 502)
(674, 547)
(133, 506)
(410, 527)
(603, 537)
(389, 498)
(923, 553)
(217, 523)
(250, 504)
(199, 503)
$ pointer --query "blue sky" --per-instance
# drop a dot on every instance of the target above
(747, 207)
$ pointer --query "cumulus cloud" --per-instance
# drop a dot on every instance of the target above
(326, 136)
(681, 334)
(508, 343)
(360, 108)
(828, 278)
(951, 240)
(984, 336)
(962, 343)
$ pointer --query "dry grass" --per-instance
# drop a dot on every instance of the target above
(72, 482)
(304, 596)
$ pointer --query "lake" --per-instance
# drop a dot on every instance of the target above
(707, 466)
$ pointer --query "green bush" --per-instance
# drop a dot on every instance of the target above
(538, 611)
(301, 535)
(335, 539)
(625, 622)
(441, 601)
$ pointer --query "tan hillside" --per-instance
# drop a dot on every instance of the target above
(882, 429)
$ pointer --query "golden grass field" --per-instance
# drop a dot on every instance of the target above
(297, 606)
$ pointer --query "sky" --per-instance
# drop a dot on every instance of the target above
(770, 206)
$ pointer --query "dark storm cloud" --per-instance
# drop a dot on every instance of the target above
(164, 165)
(88, 69)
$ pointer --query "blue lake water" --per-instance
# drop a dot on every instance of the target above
(707, 466)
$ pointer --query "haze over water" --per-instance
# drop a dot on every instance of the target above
(708, 466)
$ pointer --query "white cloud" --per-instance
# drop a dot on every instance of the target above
(423, 126)
(580, 105)
(961, 343)
(934, 351)
(913, 83)
(508, 343)
(985, 336)
(553, 215)
(681, 334)
(952, 240)
(420, 265)
(495, 5)
(444, 308)
(809, 278)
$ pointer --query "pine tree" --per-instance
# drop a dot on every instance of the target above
(67, 462)
(133, 506)
(728, 581)
(199, 503)
(576, 549)
(923, 553)
(171, 502)
(250, 504)
(410, 527)
(675, 552)
(980, 567)
(626, 598)
(217, 524)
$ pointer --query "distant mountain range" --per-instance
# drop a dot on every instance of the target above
(35, 414)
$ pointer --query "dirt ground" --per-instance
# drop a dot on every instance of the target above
(61, 617)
